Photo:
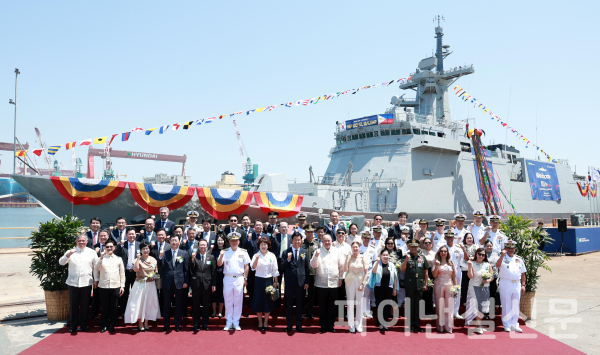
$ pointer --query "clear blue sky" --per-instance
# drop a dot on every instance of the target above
(91, 69)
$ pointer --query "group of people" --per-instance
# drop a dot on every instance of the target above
(349, 272)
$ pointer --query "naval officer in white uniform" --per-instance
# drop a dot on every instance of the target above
(459, 228)
(511, 271)
(438, 237)
(477, 228)
(235, 271)
(457, 253)
(494, 234)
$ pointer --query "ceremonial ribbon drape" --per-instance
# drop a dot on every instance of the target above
(593, 188)
(88, 191)
(487, 186)
(286, 205)
(583, 189)
(152, 197)
(465, 96)
(196, 122)
(220, 203)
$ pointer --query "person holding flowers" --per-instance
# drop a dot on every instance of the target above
(384, 282)
(356, 267)
(478, 297)
(264, 263)
(142, 305)
(445, 279)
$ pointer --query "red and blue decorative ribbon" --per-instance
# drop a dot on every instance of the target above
(152, 197)
(87, 191)
(583, 190)
(285, 204)
(220, 203)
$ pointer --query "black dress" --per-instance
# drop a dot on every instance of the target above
(262, 301)
(217, 296)
(383, 292)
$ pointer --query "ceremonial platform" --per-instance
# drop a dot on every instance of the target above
(578, 240)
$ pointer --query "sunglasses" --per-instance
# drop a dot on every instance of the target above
(379, 219)
(443, 251)
(427, 243)
(233, 220)
(390, 243)
(107, 247)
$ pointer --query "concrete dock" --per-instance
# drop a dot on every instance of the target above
(567, 306)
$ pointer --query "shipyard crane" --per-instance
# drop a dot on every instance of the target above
(112, 153)
(250, 171)
(47, 159)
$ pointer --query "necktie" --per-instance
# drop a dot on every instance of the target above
(101, 248)
(174, 252)
(295, 255)
(283, 243)
(201, 260)
(130, 256)
(94, 238)
(159, 247)
(163, 224)
(120, 235)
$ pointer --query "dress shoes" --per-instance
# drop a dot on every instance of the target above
(288, 329)
(331, 330)
(177, 328)
(458, 316)
(72, 330)
(104, 329)
(518, 329)
(196, 327)
(204, 327)
(164, 329)
(111, 329)
(237, 327)
(227, 327)
(300, 329)
(323, 330)
(83, 329)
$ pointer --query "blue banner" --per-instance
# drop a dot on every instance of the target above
(362, 122)
(543, 181)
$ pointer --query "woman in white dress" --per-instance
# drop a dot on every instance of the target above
(357, 267)
(142, 305)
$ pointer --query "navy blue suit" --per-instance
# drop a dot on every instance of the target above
(169, 226)
(115, 235)
(174, 275)
(296, 276)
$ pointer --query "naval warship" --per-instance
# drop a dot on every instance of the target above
(411, 158)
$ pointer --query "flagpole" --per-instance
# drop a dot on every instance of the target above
(589, 193)
(17, 72)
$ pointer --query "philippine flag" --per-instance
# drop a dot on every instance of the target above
(387, 118)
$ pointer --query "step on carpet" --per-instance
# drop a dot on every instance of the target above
(127, 339)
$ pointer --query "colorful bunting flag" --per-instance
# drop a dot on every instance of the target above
(70, 145)
(163, 129)
(150, 130)
(176, 126)
(38, 152)
(53, 149)
(85, 142)
(137, 129)
(188, 124)
(112, 138)
(125, 136)
(100, 140)
(21, 153)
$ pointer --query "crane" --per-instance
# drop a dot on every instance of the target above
(250, 171)
(92, 152)
(109, 173)
(47, 159)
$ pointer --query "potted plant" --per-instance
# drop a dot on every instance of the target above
(49, 243)
(528, 241)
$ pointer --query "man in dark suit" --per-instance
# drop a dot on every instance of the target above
(202, 281)
(283, 240)
(128, 252)
(119, 233)
(147, 234)
(246, 226)
(155, 252)
(206, 234)
(233, 227)
(175, 278)
(164, 222)
(334, 224)
(395, 231)
(271, 227)
(295, 265)
(92, 234)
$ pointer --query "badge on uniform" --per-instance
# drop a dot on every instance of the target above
(240, 256)
(518, 261)
(420, 265)
(208, 262)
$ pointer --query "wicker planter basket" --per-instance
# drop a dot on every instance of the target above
(527, 304)
(57, 305)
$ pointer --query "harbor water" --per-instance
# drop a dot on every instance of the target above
(20, 217)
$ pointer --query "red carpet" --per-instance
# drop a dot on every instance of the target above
(127, 340)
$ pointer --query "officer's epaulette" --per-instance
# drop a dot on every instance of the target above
(226, 249)
(242, 249)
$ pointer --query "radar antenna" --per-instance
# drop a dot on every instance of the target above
(439, 18)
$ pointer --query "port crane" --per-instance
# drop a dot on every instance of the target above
(249, 170)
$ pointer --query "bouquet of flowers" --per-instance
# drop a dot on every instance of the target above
(179, 259)
(270, 290)
(399, 265)
(455, 291)
(429, 283)
(153, 275)
(486, 276)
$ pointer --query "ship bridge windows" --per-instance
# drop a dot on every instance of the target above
(432, 133)
(425, 133)
(385, 132)
(406, 131)
(416, 131)
(465, 147)
(395, 132)
(354, 136)
(370, 134)
(441, 134)
(361, 135)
